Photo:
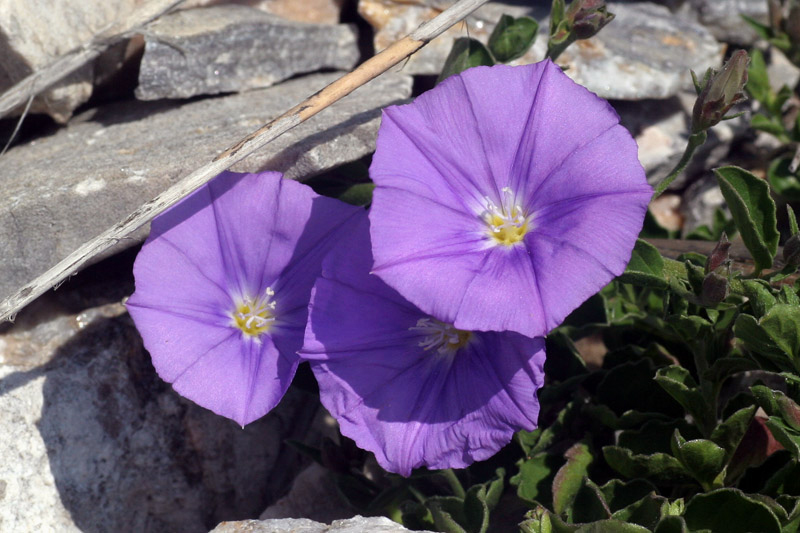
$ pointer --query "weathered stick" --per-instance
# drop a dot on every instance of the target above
(42, 79)
(340, 88)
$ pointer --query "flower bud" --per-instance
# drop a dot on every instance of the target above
(715, 289)
(587, 17)
(791, 251)
(719, 91)
(719, 255)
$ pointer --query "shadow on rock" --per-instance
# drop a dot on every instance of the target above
(128, 454)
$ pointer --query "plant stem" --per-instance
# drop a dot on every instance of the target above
(695, 141)
(455, 484)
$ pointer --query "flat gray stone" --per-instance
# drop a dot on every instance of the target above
(724, 21)
(357, 524)
(645, 52)
(233, 48)
(35, 32)
(62, 190)
(95, 441)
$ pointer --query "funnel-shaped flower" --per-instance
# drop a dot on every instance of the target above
(504, 198)
(222, 288)
(412, 389)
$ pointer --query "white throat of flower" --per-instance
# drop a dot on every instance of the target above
(254, 315)
(440, 336)
(507, 223)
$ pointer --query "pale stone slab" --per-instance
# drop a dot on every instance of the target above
(93, 440)
(357, 524)
(234, 48)
(61, 190)
(645, 52)
(314, 11)
(35, 32)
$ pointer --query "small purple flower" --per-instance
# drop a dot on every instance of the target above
(222, 288)
(504, 198)
(413, 390)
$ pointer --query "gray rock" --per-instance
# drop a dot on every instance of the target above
(357, 524)
(645, 52)
(700, 200)
(724, 21)
(34, 32)
(95, 441)
(61, 190)
(231, 48)
(314, 11)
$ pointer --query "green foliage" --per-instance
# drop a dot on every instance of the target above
(512, 37)
(753, 211)
(466, 53)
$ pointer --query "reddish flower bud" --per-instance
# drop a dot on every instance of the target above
(719, 91)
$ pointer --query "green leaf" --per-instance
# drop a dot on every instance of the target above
(759, 295)
(671, 524)
(782, 324)
(512, 37)
(589, 504)
(757, 78)
(655, 436)
(748, 329)
(729, 433)
(784, 181)
(731, 511)
(753, 211)
(762, 30)
(570, 477)
(358, 194)
(680, 384)
(476, 509)
(703, 459)
(448, 513)
(793, 228)
(770, 125)
(618, 494)
(629, 386)
(611, 526)
(646, 267)
(534, 481)
(466, 53)
(658, 467)
(646, 512)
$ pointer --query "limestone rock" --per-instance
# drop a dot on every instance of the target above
(35, 32)
(314, 11)
(95, 441)
(61, 190)
(646, 51)
(724, 21)
(357, 524)
(234, 48)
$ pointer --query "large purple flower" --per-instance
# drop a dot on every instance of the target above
(504, 198)
(222, 288)
(412, 389)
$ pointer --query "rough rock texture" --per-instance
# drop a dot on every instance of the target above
(34, 32)
(357, 524)
(724, 21)
(234, 48)
(700, 200)
(94, 441)
(314, 11)
(394, 19)
(313, 495)
(661, 130)
(646, 51)
(61, 190)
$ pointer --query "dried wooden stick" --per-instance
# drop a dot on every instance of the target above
(70, 62)
(340, 88)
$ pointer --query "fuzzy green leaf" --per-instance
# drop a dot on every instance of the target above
(466, 53)
(570, 477)
(659, 467)
(753, 211)
(703, 459)
(731, 511)
(512, 37)
(646, 267)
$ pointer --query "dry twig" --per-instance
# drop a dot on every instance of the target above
(367, 71)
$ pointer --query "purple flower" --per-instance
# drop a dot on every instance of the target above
(504, 198)
(413, 390)
(222, 288)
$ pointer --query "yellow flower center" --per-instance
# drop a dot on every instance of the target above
(254, 315)
(440, 336)
(507, 223)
